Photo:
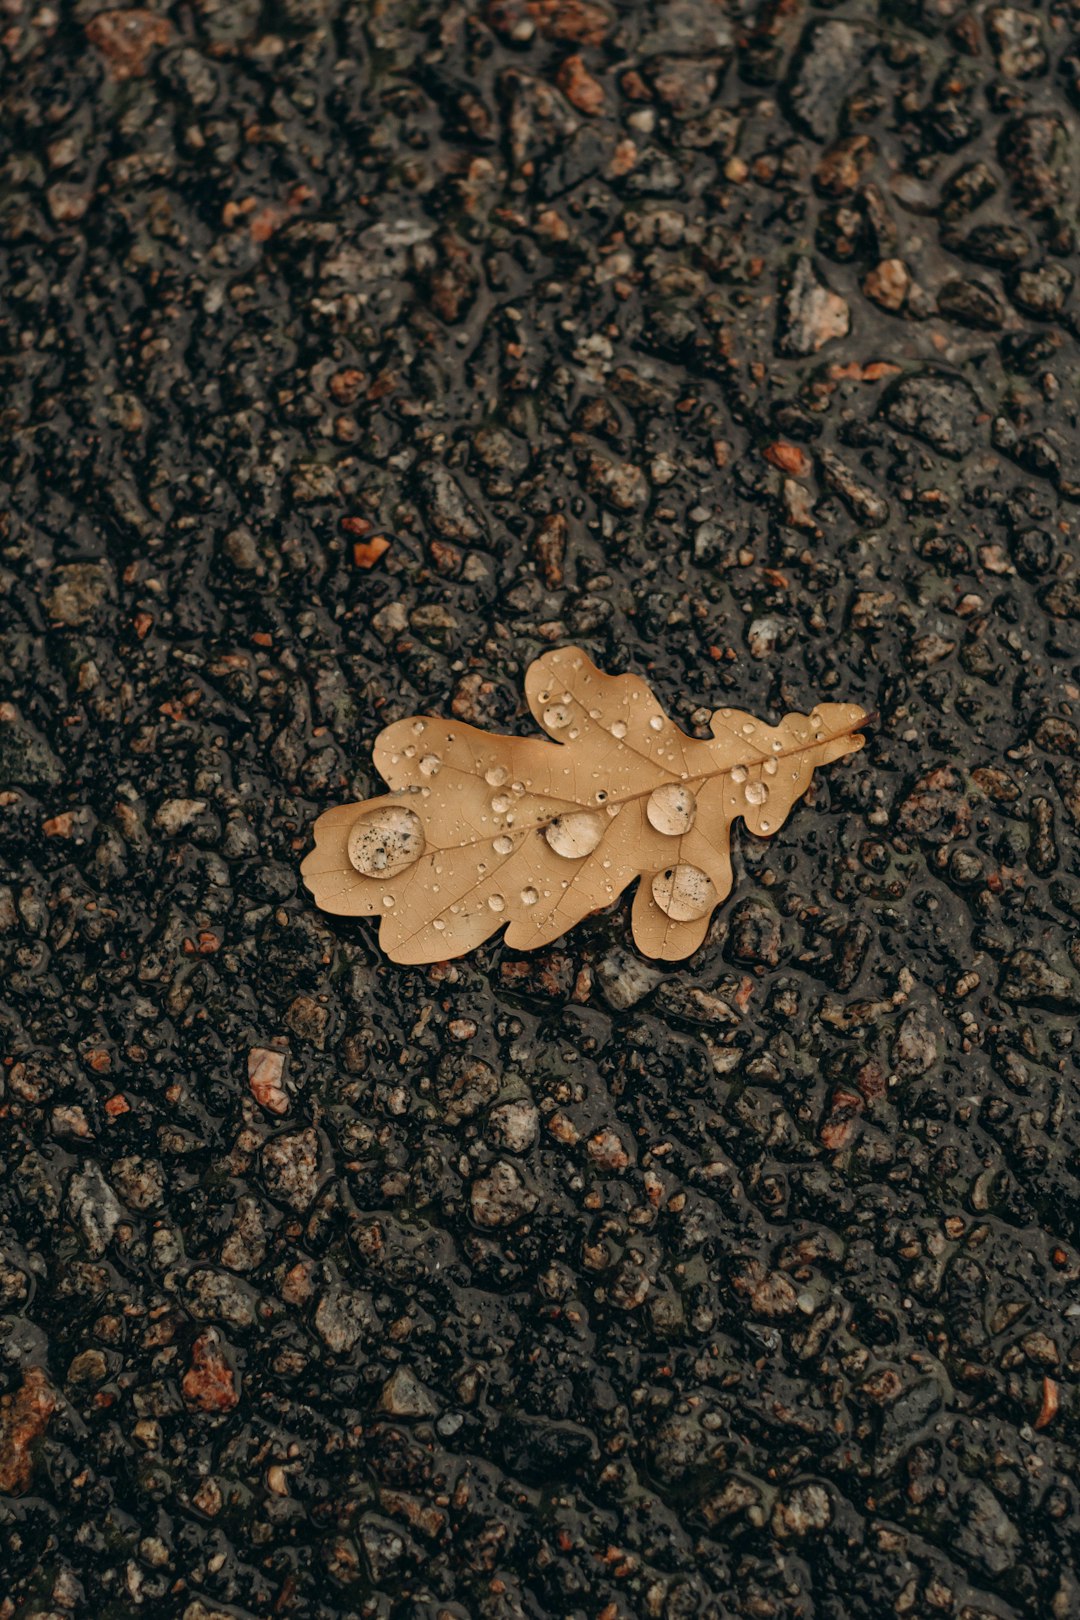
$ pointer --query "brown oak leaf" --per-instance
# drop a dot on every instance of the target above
(481, 832)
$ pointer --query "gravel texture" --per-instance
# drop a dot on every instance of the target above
(353, 354)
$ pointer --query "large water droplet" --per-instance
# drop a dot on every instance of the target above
(656, 723)
(496, 902)
(500, 803)
(439, 924)
(558, 716)
(529, 897)
(618, 730)
(419, 727)
(770, 767)
(575, 835)
(502, 845)
(738, 773)
(384, 842)
(756, 793)
(671, 809)
(430, 765)
(684, 893)
(496, 776)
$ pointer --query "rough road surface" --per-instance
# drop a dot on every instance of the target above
(742, 350)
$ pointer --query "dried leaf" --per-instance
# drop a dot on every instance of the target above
(481, 832)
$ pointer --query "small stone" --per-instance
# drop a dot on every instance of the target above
(756, 935)
(1028, 979)
(936, 407)
(444, 505)
(811, 314)
(888, 284)
(175, 815)
(828, 58)
(1016, 39)
(806, 1509)
(514, 1126)
(210, 1384)
(403, 1395)
(606, 1150)
(266, 1067)
(126, 39)
(915, 1048)
(500, 1197)
(291, 1167)
(79, 592)
(95, 1207)
(24, 1417)
(342, 1318)
(625, 979)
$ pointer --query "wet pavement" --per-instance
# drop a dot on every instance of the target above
(738, 347)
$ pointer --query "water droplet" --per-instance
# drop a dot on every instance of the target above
(419, 727)
(618, 730)
(500, 803)
(529, 897)
(776, 745)
(756, 793)
(410, 751)
(383, 843)
(430, 765)
(439, 924)
(749, 728)
(594, 714)
(656, 723)
(503, 845)
(558, 716)
(770, 767)
(517, 787)
(738, 774)
(684, 893)
(671, 809)
(601, 795)
(496, 776)
(496, 902)
(575, 835)
(388, 901)
(765, 825)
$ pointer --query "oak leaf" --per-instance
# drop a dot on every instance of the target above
(481, 832)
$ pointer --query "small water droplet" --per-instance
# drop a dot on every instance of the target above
(419, 727)
(738, 773)
(765, 825)
(575, 835)
(671, 809)
(496, 776)
(558, 716)
(503, 845)
(529, 897)
(776, 745)
(594, 714)
(388, 900)
(439, 924)
(618, 730)
(385, 842)
(756, 793)
(656, 723)
(496, 902)
(749, 728)
(517, 787)
(430, 765)
(601, 795)
(684, 893)
(770, 767)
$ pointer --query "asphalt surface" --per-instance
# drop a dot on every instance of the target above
(739, 348)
